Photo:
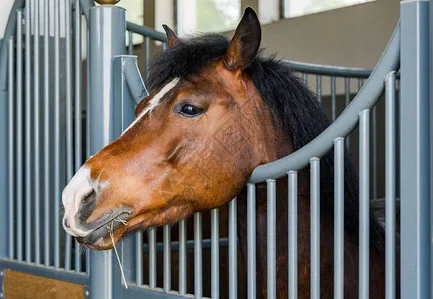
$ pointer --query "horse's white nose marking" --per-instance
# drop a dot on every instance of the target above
(78, 187)
(155, 101)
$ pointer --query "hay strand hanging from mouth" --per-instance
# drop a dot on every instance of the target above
(110, 230)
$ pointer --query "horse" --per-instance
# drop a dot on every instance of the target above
(217, 109)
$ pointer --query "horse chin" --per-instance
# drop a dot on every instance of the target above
(105, 237)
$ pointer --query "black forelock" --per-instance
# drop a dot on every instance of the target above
(293, 106)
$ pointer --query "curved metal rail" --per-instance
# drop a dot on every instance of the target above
(367, 97)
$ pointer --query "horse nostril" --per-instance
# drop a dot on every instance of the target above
(87, 197)
(66, 223)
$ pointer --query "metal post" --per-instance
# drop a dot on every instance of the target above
(414, 151)
(107, 27)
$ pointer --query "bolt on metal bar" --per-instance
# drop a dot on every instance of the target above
(19, 122)
(69, 120)
(215, 258)
(167, 258)
(78, 107)
(152, 257)
(233, 250)
(57, 134)
(198, 266)
(338, 218)
(315, 227)
(28, 135)
(390, 188)
(251, 239)
(36, 136)
(364, 203)
(47, 126)
(333, 97)
(182, 257)
(271, 239)
(293, 233)
(11, 153)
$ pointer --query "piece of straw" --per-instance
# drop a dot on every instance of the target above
(110, 230)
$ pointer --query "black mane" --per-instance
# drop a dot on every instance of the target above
(291, 103)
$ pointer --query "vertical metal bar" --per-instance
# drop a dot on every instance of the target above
(415, 141)
(152, 257)
(36, 137)
(19, 134)
(28, 136)
(364, 203)
(47, 154)
(305, 78)
(69, 116)
(315, 227)
(167, 258)
(271, 235)
(360, 83)
(215, 258)
(374, 151)
(347, 101)
(333, 97)
(57, 134)
(390, 186)
(139, 258)
(233, 250)
(198, 266)
(147, 45)
(293, 234)
(182, 257)
(338, 218)
(78, 107)
(130, 44)
(319, 87)
(106, 24)
(251, 239)
(11, 153)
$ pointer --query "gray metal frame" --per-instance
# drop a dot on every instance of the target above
(115, 86)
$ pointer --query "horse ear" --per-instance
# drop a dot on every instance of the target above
(245, 43)
(172, 38)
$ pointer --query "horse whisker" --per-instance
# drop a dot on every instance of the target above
(110, 230)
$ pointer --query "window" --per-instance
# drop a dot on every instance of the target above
(207, 15)
(134, 14)
(295, 8)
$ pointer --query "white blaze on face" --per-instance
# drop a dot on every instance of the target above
(155, 101)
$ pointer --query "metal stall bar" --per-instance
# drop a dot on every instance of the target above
(293, 234)
(11, 153)
(315, 227)
(36, 137)
(364, 203)
(215, 258)
(271, 238)
(139, 258)
(339, 218)
(47, 154)
(102, 279)
(390, 170)
(152, 257)
(28, 134)
(78, 104)
(167, 258)
(346, 102)
(233, 250)
(130, 44)
(182, 257)
(69, 120)
(19, 133)
(319, 87)
(198, 269)
(333, 97)
(147, 47)
(374, 151)
(251, 239)
(305, 78)
(414, 151)
(57, 134)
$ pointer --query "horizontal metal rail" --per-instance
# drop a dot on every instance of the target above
(328, 70)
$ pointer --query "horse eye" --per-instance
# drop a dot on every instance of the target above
(190, 110)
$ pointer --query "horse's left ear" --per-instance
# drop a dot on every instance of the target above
(245, 43)
(172, 38)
